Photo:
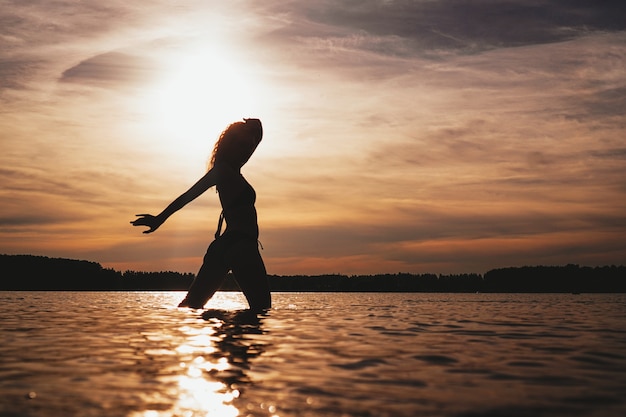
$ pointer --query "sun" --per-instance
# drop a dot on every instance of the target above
(202, 92)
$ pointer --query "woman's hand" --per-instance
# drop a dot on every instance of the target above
(153, 222)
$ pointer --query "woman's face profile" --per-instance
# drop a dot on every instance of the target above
(246, 143)
(255, 128)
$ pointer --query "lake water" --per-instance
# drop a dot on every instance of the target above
(315, 354)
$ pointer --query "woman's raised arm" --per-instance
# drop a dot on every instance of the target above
(153, 222)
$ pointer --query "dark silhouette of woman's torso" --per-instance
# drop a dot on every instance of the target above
(237, 198)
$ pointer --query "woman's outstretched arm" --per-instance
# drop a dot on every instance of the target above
(153, 222)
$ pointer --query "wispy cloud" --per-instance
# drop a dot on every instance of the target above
(431, 136)
(110, 67)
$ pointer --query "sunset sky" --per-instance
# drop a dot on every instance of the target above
(431, 136)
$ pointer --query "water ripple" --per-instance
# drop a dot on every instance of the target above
(449, 355)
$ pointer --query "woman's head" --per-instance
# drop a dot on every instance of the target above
(237, 143)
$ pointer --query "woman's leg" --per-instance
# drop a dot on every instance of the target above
(209, 279)
(250, 274)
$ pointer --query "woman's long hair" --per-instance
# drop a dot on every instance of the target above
(225, 147)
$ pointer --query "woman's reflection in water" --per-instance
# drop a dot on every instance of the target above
(234, 345)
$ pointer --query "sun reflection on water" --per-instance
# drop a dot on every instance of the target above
(194, 392)
(200, 396)
(212, 357)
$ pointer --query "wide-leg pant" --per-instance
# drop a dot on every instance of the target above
(237, 252)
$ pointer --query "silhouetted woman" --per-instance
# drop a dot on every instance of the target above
(237, 248)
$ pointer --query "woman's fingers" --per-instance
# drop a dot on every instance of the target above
(146, 220)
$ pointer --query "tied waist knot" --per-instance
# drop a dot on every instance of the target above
(218, 233)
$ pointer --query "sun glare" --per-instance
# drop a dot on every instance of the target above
(201, 94)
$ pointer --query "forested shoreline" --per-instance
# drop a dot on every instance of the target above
(29, 272)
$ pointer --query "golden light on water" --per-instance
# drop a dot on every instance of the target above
(201, 396)
(194, 384)
(195, 392)
(203, 337)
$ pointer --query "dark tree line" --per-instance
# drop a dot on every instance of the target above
(28, 272)
(569, 278)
